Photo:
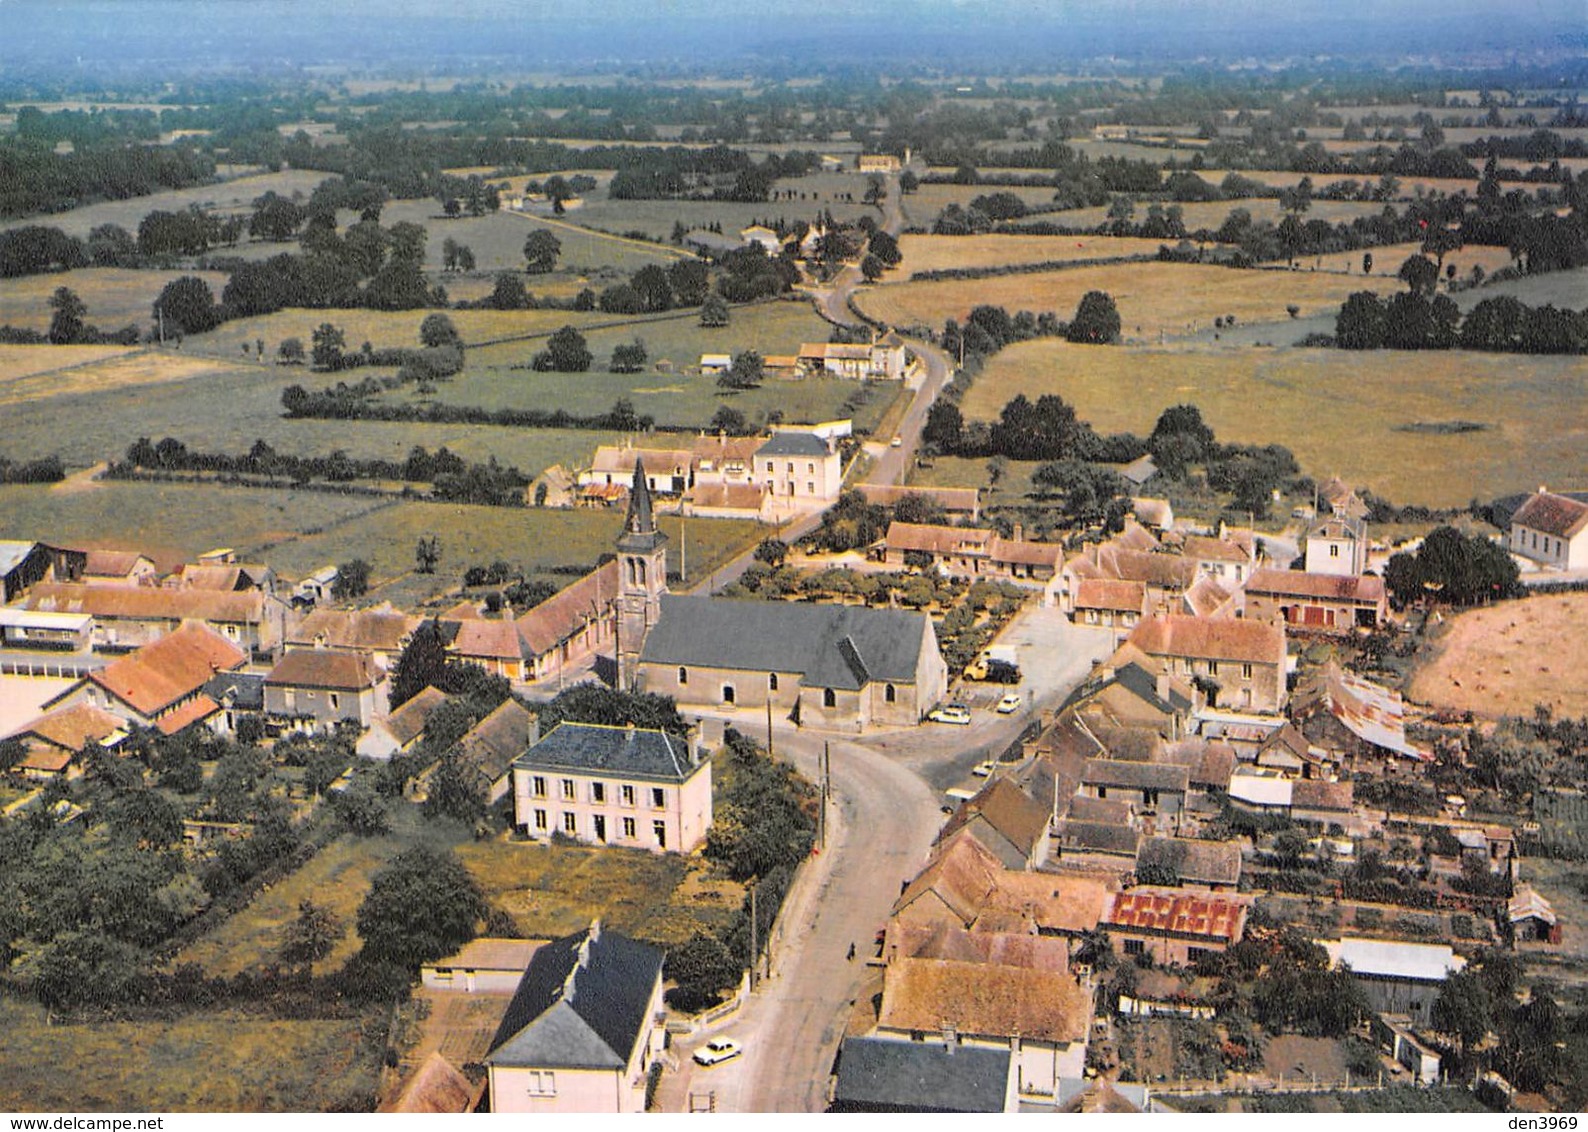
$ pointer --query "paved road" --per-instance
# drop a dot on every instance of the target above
(892, 465)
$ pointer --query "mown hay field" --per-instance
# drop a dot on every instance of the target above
(39, 373)
(19, 362)
(1338, 410)
(936, 253)
(114, 296)
(1507, 658)
(1154, 299)
(1387, 260)
(202, 1061)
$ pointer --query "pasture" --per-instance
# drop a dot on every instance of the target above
(815, 193)
(1212, 214)
(200, 1061)
(1505, 659)
(937, 253)
(114, 296)
(1340, 411)
(236, 195)
(1155, 300)
(27, 375)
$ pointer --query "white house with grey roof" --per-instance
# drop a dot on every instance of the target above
(800, 469)
(836, 667)
(583, 1028)
(602, 785)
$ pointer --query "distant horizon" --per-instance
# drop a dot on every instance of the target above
(260, 36)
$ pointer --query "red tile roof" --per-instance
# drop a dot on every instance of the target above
(148, 602)
(1293, 583)
(70, 728)
(377, 630)
(1180, 913)
(1552, 514)
(1238, 640)
(1111, 594)
(493, 640)
(987, 999)
(172, 668)
(196, 709)
(568, 610)
(324, 668)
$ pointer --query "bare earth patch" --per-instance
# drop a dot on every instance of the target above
(1505, 659)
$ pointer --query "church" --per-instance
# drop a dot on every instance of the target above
(832, 667)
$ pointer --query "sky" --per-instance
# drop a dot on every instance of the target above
(938, 32)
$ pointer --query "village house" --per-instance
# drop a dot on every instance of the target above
(624, 786)
(760, 234)
(959, 504)
(161, 685)
(880, 162)
(1152, 788)
(489, 748)
(1230, 556)
(1152, 513)
(1531, 918)
(1173, 926)
(1357, 722)
(57, 632)
(487, 965)
(1236, 663)
(317, 587)
(1183, 862)
(1132, 689)
(1551, 530)
(1209, 597)
(571, 626)
(118, 568)
(238, 694)
(1397, 978)
(492, 645)
(1007, 821)
(1317, 603)
(380, 632)
(800, 469)
(1312, 801)
(400, 732)
(1166, 577)
(315, 689)
(437, 1086)
(52, 742)
(973, 553)
(223, 575)
(24, 565)
(582, 1030)
(1110, 604)
(1337, 545)
(880, 1075)
(882, 360)
(127, 617)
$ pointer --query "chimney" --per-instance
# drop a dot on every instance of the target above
(1162, 686)
(1019, 532)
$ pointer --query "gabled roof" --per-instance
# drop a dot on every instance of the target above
(1200, 862)
(1294, 583)
(1168, 910)
(196, 710)
(1372, 713)
(1316, 794)
(948, 498)
(1023, 948)
(1527, 904)
(1234, 640)
(492, 744)
(961, 876)
(148, 602)
(1342, 498)
(1207, 763)
(618, 459)
(242, 691)
(568, 610)
(583, 1003)
(787, 637)
(985, 999)
(368, 630)
(407, 723)
(1129, 775)
(1111, 594)
(876, 1074)
(13, 552)
(72, 727)
(1099, 837)
(1392, 959)
(437, 1087)
(325, 668)
(1206, 549)
(175, 666)
(594, 748)
(1015, 815)
(494, 640)
(1103, 811)
(1206, 597)
(113, 563)
(1552, 514)
(795, 444)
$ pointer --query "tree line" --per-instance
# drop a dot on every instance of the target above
(355, 402)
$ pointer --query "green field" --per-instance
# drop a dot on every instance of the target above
(114, 296)
(233, 195)
(1337, 410)
(657, 217)
(205, 1061)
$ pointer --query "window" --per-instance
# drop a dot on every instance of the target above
(890, 694)
(626, 794)
(1213, 668)
(771, 681)
(810, 487)
(1149, 797)
(540, 820)
(540, 1083)
(769, 467)
(810, 469)
(567, 790)
(1334, 550)
(683, 674)
(538, 786)
(1135, 946)
(1102, 791)
(599, 826)
(1197, 954)
(336, 701)
(598, 792)
(728, 694)
(659, 828)
(628, 829)
(291, 696)
(570, 823)
(658, 798)
(1246, 672)
(791, 467)
(829, 698)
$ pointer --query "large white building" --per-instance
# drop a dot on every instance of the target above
(1551, 530)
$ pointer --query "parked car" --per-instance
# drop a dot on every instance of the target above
(950, 713)
(984, 770)
(718, 1050)
(1010, 703)
(896, 442)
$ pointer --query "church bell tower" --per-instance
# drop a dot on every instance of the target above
(642, 578)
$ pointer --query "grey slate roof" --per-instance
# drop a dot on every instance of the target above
(794, 444)
(14, 552)
(831, 646)
(1135, 775)
(581, 1004)
(594, 748)
(246, 689)
(877, 1075)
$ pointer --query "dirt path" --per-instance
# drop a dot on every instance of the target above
(85, 480)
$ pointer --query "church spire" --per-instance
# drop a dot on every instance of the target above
(639, 527)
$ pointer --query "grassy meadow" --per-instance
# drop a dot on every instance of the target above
(1339, 411)
(236, 195)
(1154, 299)
(114, 296)
(936, 253)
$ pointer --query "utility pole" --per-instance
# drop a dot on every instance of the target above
(683, 548)
(769, 750)
(755, 957)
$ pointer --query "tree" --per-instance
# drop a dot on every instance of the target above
(702, 968)
(1464, 1008)
(312, 936)
(427, 554)
(595, 703)
(872, 268)
(541, 250)
(1419, 274)
(746, 371)
(1096, 319)
(188, 304)
(421, 907)
(654, 287)
(771, 551)
(945, 426)
(328, 344)
(509, 293)
(438, 330)
(690, 280)
(290, 352)
(908, 182)
(1451, 567)
(66, 323)
(628, 359)
(729, 420)
(1362, 322)
(1367, 263)
(714, 311)
(352, 579)
(455, 792)
(565, 352)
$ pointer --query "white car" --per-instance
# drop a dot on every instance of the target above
(984, 770)
(1010, 703)
(896, 442)
(718, 1050)
(951, 713)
